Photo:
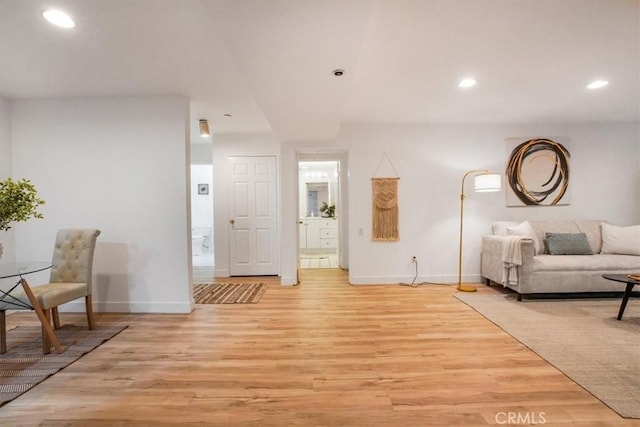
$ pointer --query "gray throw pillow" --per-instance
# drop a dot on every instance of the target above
(568, 244)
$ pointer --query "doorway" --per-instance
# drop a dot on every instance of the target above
(202, 223)
(322, 211)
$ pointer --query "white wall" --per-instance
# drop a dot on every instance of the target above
(225, 146)
(201, 154)
(431, 160)
(5, 138)
(120, 165)
(7, 237)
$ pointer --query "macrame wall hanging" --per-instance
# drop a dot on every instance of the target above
(385, 206)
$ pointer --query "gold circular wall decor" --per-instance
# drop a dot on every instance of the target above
(556, 179)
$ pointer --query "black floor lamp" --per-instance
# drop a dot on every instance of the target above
(484, 182)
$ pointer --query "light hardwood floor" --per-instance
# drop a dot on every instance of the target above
(323, 353)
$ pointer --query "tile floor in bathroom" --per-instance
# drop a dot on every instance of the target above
(203, 267)
(319, 261)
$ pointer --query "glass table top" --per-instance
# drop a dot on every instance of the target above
(15, 269)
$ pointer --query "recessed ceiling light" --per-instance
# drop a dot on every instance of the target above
(59, 18)
(338, 72)
(203, 125)
(468, 82)
(227, 115)
(597, 84)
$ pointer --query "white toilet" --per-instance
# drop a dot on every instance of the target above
(196, 245)
(200, 240)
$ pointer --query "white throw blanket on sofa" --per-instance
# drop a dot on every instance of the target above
(511, 259)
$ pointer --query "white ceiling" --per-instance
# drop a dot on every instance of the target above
(269, 63)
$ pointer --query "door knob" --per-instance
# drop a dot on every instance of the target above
(232, 221)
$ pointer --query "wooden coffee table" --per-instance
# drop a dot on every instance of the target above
(630, 284)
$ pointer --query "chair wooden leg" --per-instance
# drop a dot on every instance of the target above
(46, 342)
(46, 325)
(89, 304)
(56, 318)
(3, 332)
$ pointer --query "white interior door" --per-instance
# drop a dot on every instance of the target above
(253, 236)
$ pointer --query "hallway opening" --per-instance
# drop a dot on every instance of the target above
(318, 214)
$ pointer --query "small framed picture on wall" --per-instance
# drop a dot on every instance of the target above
(203, 188)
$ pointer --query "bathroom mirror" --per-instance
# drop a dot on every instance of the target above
(317, 193)
(317, 189)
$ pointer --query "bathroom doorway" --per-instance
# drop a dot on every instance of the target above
(320, 213)
(202, 223)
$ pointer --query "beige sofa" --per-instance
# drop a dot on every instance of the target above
(541, 272)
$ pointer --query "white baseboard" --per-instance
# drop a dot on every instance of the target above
(221, 273)
(131, 307)
(394, 280)
(288, 281)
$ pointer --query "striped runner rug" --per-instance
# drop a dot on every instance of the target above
(23, 365)
(228, 293)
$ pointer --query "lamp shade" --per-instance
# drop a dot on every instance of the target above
(487, 182)
(204, 128)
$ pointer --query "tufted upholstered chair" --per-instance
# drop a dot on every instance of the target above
(70, 278)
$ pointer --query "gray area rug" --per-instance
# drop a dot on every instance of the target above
(23, 365)
(580, 337)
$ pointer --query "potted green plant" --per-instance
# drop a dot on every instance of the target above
(328, 211)
(18, 202)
